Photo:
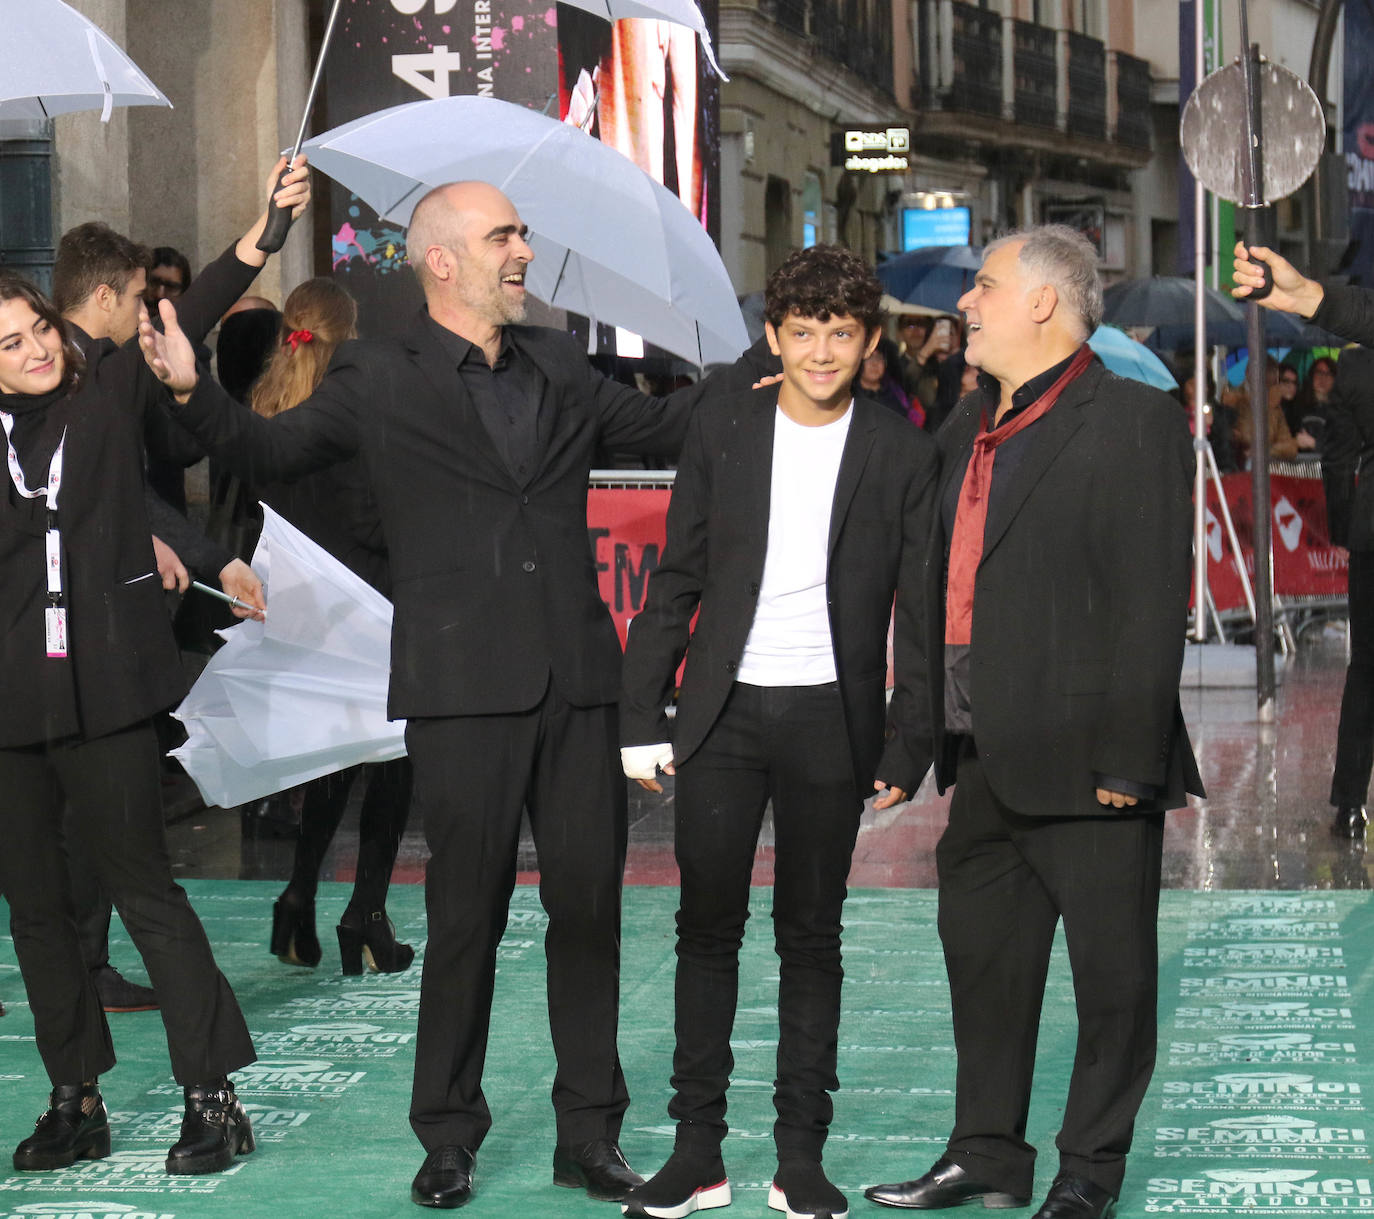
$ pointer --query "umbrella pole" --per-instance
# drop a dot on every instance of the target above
(1200, 398)
(279, 221)
(1252, 178)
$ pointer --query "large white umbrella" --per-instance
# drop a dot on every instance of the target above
(54, 61)
(300, 695)
(680, 12)
(609, 241)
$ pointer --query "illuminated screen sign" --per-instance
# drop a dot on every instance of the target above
(923, 227)
(883, 151)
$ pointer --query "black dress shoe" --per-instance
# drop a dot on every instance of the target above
(214, 1130)
(74, 1127)
(598, 1167)
(118, 994)
(445, 1178)
(946, 1184)
(1350, 821)
(1076, 1198)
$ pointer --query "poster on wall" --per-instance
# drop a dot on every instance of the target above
(1357, 110)
(642, 86)
(388, 52)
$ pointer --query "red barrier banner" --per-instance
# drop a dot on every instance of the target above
(626, 529)
(1306, 564)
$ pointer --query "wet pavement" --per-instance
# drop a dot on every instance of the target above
(1264, 824)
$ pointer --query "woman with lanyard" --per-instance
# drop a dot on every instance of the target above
(87, 659)
(335, 508)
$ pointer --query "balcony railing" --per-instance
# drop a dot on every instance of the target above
(1034, 73)
(977, 43)
(1087, 87)
(1132, 100)
(854, 33)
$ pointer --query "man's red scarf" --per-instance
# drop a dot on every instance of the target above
(971, 516)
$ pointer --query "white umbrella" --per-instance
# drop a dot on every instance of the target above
(680, 12)
(609, 241)
(54, 61)
(300, 695)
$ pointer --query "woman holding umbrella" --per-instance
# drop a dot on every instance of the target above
(334, 508)
(87, 659)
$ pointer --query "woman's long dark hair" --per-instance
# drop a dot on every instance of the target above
(16, 287)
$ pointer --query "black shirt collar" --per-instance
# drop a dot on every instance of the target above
(1025, 394)
(461, 351)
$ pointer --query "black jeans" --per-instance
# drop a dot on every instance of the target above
(1355, 736)
(787, 743)
(113, 790)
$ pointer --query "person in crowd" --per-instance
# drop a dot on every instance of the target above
(86, 659)
(876, 381)
(1057, 580)
(477, 436)
(335, 508)
(1220, 420)
(1310, 406)
(1282, 445)
(1289, 384)
(98, 277)
(1349, 312)
(796, 517)
(169, 275)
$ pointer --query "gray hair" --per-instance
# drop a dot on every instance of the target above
(1062, 257)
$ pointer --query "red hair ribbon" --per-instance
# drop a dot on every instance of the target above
(297, 337)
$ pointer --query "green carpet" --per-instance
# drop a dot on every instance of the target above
(1258, 1102)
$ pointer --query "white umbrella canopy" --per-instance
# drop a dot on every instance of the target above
(300, 695)
(680, 12)
(55, 61)
(609, 241)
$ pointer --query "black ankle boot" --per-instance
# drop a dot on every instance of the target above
(294, 941)
(372, 938)
(214, 1130)
(74, 1127)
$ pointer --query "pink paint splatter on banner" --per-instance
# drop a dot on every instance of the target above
(448, 29)
(551, 17)
(498, 37)
(517, 24)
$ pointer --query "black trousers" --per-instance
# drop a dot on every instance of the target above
(381, 822)
(473, 776)
(1355, 735)
(113, 791)
(1005, 882)
(787, 743)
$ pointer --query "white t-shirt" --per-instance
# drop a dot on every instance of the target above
(789, 643)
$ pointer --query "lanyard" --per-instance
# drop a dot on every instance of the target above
(55, 615)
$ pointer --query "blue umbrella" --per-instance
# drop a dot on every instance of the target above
(934, 276)
(1127, 358)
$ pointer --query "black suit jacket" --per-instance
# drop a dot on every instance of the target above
(493, 581)
(1080, 603)
(717, 541)
(123, 661)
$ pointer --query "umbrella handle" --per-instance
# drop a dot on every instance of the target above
(1258, 294)
(278, 223)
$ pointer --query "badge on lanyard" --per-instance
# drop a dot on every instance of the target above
(55, 613)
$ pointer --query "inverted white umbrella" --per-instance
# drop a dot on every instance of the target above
(680, 12)
(300, 695)
(609, 241)
(55, 61)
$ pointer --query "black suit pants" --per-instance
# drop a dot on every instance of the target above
(473, 776)
(787, 743)
(112, 787)
(1005, 882)
(1355, 735)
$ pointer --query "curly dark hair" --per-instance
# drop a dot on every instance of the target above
(822, 280)
(16, 287)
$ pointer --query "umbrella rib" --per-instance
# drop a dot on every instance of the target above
(558, 283)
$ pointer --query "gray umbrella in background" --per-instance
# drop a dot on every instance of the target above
(55, 61)
(610, 243)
